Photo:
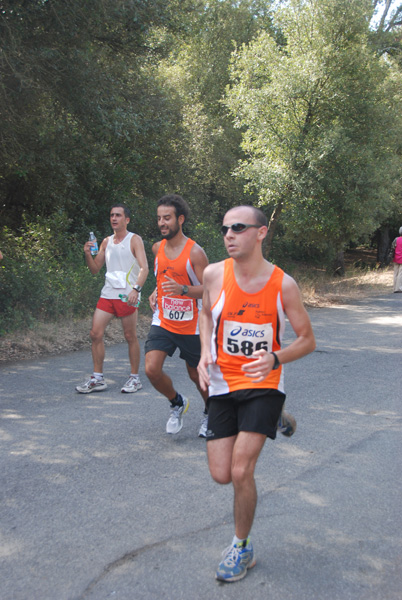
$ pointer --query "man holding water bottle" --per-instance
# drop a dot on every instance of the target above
(126, 272)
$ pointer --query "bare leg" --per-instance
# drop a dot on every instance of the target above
(220, 458)
(154, 370)
(233, 460)
(130, 333)
(245, 455)
(99, 323)
(193, 373)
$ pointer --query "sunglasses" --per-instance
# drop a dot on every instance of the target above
(236, 228)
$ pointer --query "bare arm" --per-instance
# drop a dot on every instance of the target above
(304, 343)
(137, 248)
(206, 327)
(152, 297)
(212, 280)
(300, 322)
(95, 263)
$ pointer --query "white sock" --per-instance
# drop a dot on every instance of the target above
(237, 540)
(135, 375)
(97, 375)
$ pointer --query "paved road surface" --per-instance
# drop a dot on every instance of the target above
(97, 502)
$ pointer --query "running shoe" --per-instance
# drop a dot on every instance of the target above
(175, 422)
(92, 385)
(202, 432)
(286, 424)
(236, 560)
(133, 384)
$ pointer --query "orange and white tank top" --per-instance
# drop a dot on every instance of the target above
(243, 323)
(178, 314)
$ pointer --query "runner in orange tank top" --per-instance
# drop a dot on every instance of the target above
(257, 322)
(241, 325)
(176, 301)
(176, 313)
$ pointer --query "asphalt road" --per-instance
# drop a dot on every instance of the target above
(97, 502)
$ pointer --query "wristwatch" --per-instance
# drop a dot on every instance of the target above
(137, 288)
(277, 364)
(184, 290)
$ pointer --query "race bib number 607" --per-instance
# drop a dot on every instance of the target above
(246, 338)
(177, 309)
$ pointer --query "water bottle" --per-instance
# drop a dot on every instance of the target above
(94, 248)
(124, 298)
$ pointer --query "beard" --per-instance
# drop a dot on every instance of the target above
(171, 233)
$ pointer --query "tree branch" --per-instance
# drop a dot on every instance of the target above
(384, 14)
(395, 20)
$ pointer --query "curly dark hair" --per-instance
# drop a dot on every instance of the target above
(179, 204)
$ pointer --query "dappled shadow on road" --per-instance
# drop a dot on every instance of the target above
(94, 479)
(339, 516)
(76, 468)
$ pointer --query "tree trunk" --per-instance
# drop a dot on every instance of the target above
(271, 229)
(339, 264)
(383, 245)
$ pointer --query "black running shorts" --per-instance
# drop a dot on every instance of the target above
(161, 339)
(252, 410)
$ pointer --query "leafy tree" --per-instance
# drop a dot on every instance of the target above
(83, 116)
(196, 72)
(320, 122)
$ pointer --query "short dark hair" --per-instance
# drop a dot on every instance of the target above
(258, 214)
(179, 204)
(127, 211)
(260, 217)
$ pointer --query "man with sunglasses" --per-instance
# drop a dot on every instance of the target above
(176, 302)
(242, 322)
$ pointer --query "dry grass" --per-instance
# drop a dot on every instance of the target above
(56, 338)
(318, 290)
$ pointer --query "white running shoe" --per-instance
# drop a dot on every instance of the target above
(202, 432)
(175, 422)
(133, 384)
(92, 385)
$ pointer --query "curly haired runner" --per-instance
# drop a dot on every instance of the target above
(176, 302)
(242, 321)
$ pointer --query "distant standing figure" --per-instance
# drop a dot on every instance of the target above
(397, 247)
(126, 272)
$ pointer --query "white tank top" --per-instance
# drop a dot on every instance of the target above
(122, 268)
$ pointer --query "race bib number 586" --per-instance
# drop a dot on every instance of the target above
(245, 338)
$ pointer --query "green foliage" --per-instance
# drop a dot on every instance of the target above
(196, 73)
(85, 121)
(207, 235)
(320, 122)
(106, 101)
(42, 277)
